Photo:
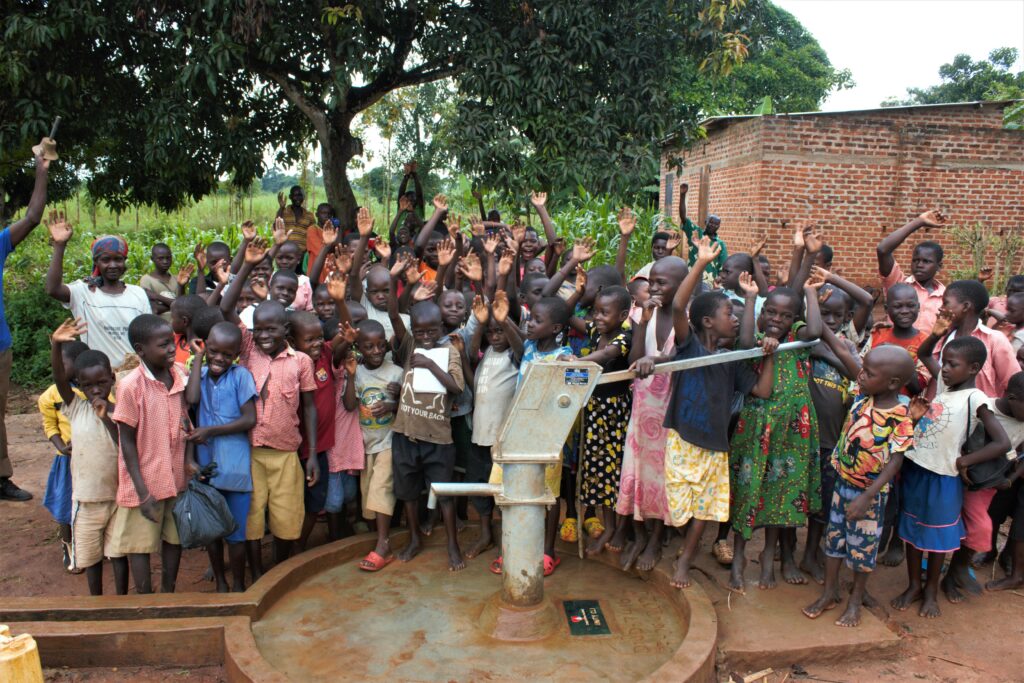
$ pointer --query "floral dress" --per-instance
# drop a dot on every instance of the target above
(605, 419)
(774, 462)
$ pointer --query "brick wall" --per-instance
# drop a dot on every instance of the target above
(859, 175)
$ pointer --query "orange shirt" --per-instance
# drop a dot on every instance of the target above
(429, 274)
(886, 335)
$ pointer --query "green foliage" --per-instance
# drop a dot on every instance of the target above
(32, 316)
(1002, 251)
(966, 80)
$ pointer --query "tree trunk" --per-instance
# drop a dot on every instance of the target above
(336, 151)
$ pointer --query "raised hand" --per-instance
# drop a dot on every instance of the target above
(329, 232)
(747, 284)
(199, 254)
(400, 264)
(581, 278)
(759, 245)
(558, 246)
(445, 252)
(518, 232)
(985, 274)
(943, 322)
(932, 219)
(185, 274)
(347, 333)
(248, 231)
(491, 243)
(197, 347)
(259, 288)
(383, 250)
(918, 407)
(627, 221)
(813, 239)
(281, 235)
(404, 203)
(337, 285)
(425, 291)
(221, 271)
(480, 311)
(454, 224)
(456, 341)
(505, 263)
(343, 257)
(583, 250)
(706, 251)
(477, 194)
(281, 200)
(440, 202)
(476, 226)
(683, 189)
(364, 222)
(470, 268)
(675, 238)
(798, 235)
(499, 309)
(69, 330)
(538, 198)
(818, 278)
(60, 229)
(412, 271)
(255, 251)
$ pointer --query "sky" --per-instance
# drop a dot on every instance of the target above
(890, 45)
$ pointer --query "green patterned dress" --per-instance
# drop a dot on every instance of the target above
(776, 476)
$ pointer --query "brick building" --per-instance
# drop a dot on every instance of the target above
(859, 174)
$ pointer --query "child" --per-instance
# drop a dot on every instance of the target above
(776, 478)
(94, 467)
(1011, 319)
(422, 448)
(161, 287)
(57, 499)
(924, 265)
(642, 484)
(729, 280)
(696, 452)
(494, 390)
(288, 260)
(877, 433)
(1009, 412)
(606, 415)
(378, 385)
(283, 286)
(150, 413)
(931, 491)
(323, 304)
(346, 459)
(104, 302)
(285, 384)
(902, 307)
(225, 397)
(183, 312)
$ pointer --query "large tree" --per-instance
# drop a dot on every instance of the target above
(966, 80)
(169, 97)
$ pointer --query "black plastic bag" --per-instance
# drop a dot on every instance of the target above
(202, 515)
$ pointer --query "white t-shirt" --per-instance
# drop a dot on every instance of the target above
(940, 434)
(94, 461)
(371, 387)
(108, 317)
(373, 313)
(496, 378)
(1013, 427)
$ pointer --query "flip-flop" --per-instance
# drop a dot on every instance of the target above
(375, 562)
(496, 565)
(551, 564)
(593, 527)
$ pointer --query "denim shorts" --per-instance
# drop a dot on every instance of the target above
(341, 488)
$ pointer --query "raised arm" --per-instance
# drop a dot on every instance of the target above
(255, 252)
(396, 320)
(68, 331)
(706, 253)
(499, 309)
(423, 236)
(747, 338)
(481, 312)
(763, 286)
(60, 231)
(627, 223)
(330, 236)
(892, 241)
(193, 390)
(479, 197)
(20, 228)
(812, 330)
(248, 235)
(540, 201)
(925, 352)
(582, 252)
(859, 295)
(841, 349)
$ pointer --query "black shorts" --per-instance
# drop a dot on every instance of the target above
(478, 471)
(416, 464)
(315, 496)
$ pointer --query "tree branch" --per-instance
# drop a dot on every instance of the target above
(360, 98)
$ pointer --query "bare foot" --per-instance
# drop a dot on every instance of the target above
(681, 575)
(597, 545)
(929, 608)
(650, 557)
(851, 617)
(618, 540)
(792, 574)
(736, 583)
(949, 587)
(869, 601)
(410, 551)
(455, 561)
(811, 567)
(907, 598)
(767, 580)
(427, 527)
(982, 559)
(970, 584)
(630, 554)
(826, 602)
(1005, 583)
(222, 587)
(481, 546)
(460, 525)
(895, 555)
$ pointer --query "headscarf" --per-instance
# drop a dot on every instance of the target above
(108, 243)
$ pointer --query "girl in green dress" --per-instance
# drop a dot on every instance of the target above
(776, 479)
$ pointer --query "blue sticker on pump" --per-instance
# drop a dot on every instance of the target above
(578, 377)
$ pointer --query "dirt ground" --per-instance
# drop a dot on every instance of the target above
(976, 641)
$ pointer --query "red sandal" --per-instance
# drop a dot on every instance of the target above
(374, 562)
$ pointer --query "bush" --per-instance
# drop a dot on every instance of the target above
(31, 315)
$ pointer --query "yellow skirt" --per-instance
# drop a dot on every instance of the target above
(696, 481)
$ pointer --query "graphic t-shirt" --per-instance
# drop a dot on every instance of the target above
(371, 388)
(426, 416)
(942, 431)
(871, 436)
(108, 317)
(830, 392)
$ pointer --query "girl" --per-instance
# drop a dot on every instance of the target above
(696, 457)
(776, 476)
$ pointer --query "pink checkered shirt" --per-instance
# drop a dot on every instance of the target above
(143, 402)
(347, 452)
(279, 381)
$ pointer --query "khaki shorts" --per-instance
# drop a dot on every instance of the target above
(92, 532)
(377, 484)
(278, 484)
(134, 534)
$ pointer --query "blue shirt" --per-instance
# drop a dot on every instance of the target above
(531, 354)
(5, 249)
(221, 402)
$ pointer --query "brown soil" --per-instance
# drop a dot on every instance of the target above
(205, 674)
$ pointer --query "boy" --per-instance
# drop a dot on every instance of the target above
(378, 383)
(183, 312)
(94, 468)
(869, 453)
(728, 279)
(1009, 412)
(902, 307)
(693, 233)
(284, 382)
(283, 286)
(160, 287)
(150, 413)
(422, 447)
(924, 265)
(224, 395)
(289, 258)
(57, 499)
